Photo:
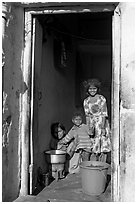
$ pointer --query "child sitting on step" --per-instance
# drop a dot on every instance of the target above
(58, 131)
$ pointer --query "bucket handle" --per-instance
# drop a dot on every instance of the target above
(103, 173)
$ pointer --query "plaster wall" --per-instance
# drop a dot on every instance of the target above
(57, 90)
(13, 86)
(127, 104)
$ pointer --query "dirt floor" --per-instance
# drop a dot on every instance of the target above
(68, 189)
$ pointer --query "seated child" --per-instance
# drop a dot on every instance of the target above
(79, 134)
(58, 132)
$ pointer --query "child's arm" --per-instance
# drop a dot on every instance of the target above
(62, 147)
(104, 110)
(86, 108)
(67, 138)
(90, 130)
(104, 113)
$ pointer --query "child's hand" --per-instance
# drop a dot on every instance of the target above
(59, 146)
(91, 136)
(91, 130)
(103, 132)
(61, 142)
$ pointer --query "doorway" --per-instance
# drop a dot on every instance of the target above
(65, 54)
(63, 78)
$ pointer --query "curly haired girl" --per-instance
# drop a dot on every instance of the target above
(96, 113)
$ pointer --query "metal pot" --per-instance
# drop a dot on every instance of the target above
(55, 156)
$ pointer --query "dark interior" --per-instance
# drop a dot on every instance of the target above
(70, 48)
(91, 34)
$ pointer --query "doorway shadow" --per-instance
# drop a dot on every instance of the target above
(108, 181)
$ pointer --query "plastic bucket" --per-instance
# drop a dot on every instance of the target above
(93, 177)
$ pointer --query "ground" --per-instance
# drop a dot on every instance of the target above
(68, 190)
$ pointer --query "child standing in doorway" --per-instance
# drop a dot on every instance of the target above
(96, 113)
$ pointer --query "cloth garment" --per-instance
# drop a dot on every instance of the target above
(102, 157)
(77, 158)
(81, 138)
(71, 148)
(74, 163)
(96, 119)
(85, 156)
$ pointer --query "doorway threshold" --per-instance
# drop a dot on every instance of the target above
(69, 189)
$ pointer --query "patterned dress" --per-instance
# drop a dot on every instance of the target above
(96, 118)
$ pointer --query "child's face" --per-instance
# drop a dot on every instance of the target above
(92, 90)
(77, 121)
(59, 133)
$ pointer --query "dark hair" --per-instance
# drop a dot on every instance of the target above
(54, 126)
(77, 114)
(92, 82)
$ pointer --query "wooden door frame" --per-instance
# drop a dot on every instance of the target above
(26, 99)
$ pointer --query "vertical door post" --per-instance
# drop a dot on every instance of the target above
(25, 107)
(115, 105)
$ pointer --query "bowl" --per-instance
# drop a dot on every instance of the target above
(55, 156)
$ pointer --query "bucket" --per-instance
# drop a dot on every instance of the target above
(93, 177)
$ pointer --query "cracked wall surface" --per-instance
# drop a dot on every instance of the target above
(127, 104)
(12, 90)
(14, 87)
